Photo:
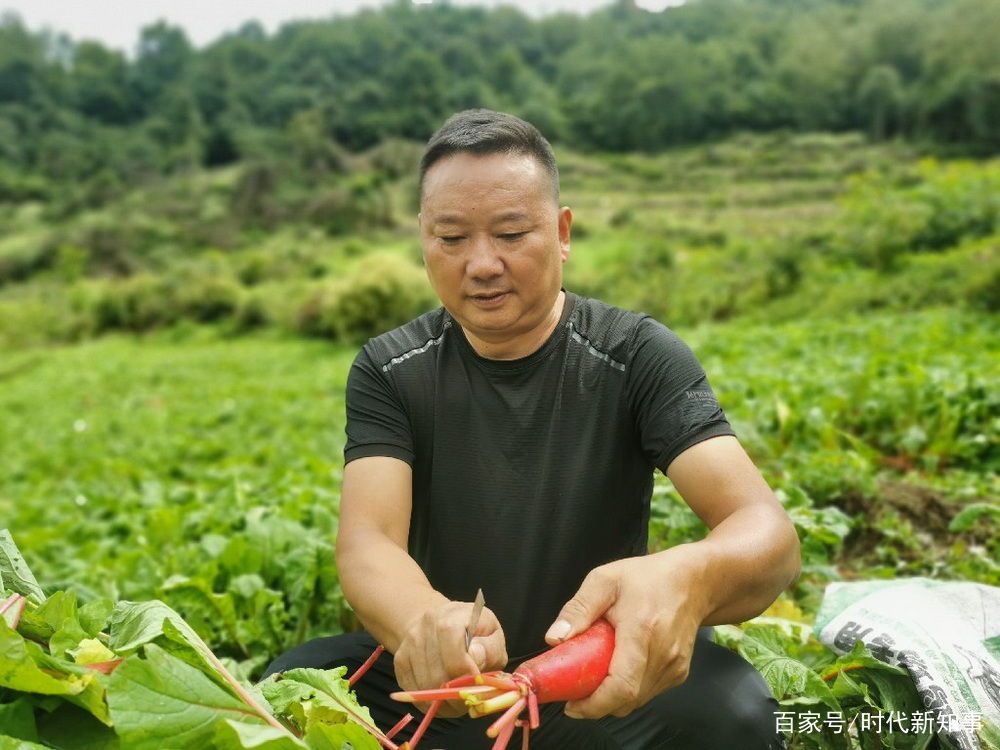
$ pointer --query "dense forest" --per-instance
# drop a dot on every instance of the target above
(618, 79)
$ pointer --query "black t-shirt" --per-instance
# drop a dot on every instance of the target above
(529, 473)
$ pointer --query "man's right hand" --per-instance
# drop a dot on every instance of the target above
(433, 650)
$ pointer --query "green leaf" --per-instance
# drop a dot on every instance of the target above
(14, 572)
(93, 616)
(135, 624)
(967, 517)
(59, 623)
(91, 651)
(19, 670)
(13, 743)
(18, 720)
(161, 701)
(339, 737)
(205, 610)
(317, 697)
(232, 734)
(989, 733)
(860, 657)
(70, 728)
(91, 698)
(763, 647)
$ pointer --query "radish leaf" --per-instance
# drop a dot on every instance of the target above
(160, 701)
(14, 572)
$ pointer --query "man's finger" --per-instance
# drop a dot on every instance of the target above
(623, 685)
(450, 643)
(597, 592)
(495, 647)
(404, 673)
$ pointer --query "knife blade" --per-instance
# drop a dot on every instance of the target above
(477, 609)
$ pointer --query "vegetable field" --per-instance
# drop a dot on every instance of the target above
(173, 433)
(206, 475)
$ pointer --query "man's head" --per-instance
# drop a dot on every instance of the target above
(483, 131)
(490, 224)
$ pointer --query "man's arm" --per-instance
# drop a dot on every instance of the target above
(657, 602)
(422, 628)
(751, 553)
(384, 585)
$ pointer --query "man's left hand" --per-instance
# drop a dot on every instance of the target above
(656, 604)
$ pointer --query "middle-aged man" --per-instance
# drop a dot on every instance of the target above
(508, 440)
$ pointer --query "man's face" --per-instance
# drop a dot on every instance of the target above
(494, 242)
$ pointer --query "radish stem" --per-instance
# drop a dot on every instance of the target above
(399, 725)
(434, 694)
(506, 700)
(428, 717)
(533, 720)
(508, 719)
(504, 738)
(484, 693)
(463, 681)
(497, 681)
(367, 665)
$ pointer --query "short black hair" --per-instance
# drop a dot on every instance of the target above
(483, 131)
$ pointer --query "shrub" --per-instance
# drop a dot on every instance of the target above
(395, 157)
(138, 303)
(360, 205)
(23, 256)
(381, 293)
(209, 298)
(882, 221)
(252, 312)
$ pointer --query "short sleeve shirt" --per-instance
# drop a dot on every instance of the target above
(529, 473)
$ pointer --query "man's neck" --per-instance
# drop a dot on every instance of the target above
(522, 345)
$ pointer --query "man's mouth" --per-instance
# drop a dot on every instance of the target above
(489, 295)
(488, 299)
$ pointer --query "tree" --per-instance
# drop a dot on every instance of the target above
(163, 57)
(99, 84)
(879, 99)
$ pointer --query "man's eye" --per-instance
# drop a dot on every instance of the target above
(451, 239)
(511, 236)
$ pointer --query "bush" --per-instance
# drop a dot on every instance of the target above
(382, 293)
(252, 312)
(209, 298)
(23, 256)
(138, 303)
(358, 206)
(948, 203)
(395, 157)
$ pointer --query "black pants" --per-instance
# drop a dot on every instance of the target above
(723, 705)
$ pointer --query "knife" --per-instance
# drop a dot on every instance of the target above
(477, 609)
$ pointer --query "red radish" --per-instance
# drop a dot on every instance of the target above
(573, 669)
(570, 671)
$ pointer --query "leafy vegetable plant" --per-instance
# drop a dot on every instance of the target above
(135, 675)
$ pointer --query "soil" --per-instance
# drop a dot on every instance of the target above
(928, 511)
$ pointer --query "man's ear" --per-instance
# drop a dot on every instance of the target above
(565, 224)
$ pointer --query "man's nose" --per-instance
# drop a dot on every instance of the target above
(484, 261)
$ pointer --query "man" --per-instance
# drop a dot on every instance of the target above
(508, 441)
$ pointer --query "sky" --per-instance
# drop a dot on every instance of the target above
(116, 23)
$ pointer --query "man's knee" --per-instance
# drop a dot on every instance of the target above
(725, 703)
(742, 717)
(753, 716)
(348, 649)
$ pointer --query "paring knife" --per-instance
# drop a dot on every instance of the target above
(477, 609)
